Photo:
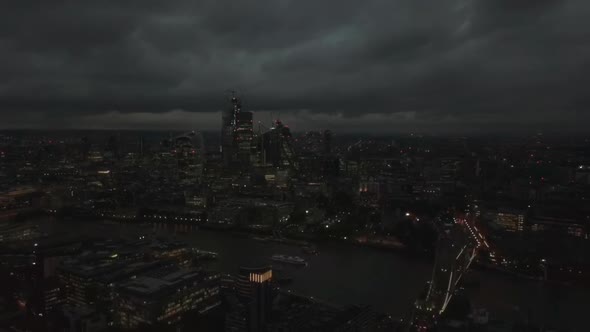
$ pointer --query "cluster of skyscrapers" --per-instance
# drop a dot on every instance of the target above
(242, 147)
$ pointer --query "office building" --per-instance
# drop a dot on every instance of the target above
(229, 123)
(244, 134)
(277, 147)
(253, 291)
(162, 297)
(511, 220)
(189, 151)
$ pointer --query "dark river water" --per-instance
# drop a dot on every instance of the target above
(345, 274)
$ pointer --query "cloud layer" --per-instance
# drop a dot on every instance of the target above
(469, 62)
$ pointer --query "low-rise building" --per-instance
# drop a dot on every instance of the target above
(163, 296)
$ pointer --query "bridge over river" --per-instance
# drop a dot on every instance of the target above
(455, 251)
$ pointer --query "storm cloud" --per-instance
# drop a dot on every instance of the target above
(350, 64)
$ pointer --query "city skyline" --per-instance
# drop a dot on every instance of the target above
(246, 229)
(286, 166)
(462, 66)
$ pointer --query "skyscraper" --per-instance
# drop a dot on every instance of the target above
(229, 125)
(254, 291)
(244, 134)
(278, 147)
(189, 151)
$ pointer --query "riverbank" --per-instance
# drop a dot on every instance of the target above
(347, 274)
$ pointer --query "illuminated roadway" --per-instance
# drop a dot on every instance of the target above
(455, 251)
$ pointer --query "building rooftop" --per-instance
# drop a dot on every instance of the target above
(164, 281)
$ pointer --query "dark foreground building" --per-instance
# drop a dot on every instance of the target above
(162, 298)
(253, 290)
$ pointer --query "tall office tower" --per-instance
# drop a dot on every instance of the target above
(277, 147)
(254, 291)
(244, 134)
(229, 122)
(189, 151)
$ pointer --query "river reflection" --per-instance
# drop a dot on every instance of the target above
(346, 274)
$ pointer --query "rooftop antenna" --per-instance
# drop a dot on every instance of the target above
(232, 92)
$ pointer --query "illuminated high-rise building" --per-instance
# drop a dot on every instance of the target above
(243, 134)
(229, 124)
(254, 292)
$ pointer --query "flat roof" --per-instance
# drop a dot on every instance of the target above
(149, 285)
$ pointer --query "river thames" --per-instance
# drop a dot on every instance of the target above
(346, 274)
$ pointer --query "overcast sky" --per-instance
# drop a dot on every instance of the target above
(350, 65)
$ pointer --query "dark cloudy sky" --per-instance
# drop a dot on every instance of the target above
(388, 65)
